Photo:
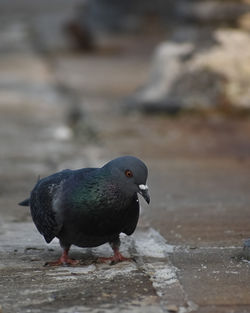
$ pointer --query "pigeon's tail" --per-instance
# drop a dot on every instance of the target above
(25, 202)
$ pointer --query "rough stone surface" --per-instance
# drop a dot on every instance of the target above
(82, 288)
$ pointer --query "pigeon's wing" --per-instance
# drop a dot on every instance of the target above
(41, 204)
(132, 217)
(42, 201)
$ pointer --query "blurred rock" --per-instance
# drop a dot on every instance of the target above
(190, 78)
(204, 64)
(167, 66)
(231, 59)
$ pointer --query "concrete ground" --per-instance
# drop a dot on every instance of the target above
(61, 109)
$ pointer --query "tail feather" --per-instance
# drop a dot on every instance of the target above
(25, 202)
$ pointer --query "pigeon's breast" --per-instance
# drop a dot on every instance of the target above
(91, 217)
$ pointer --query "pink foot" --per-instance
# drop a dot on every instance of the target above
(64, 260)
(118, 257)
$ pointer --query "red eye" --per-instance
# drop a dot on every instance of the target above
(128, 173)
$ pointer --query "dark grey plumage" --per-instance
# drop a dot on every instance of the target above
(90, 206)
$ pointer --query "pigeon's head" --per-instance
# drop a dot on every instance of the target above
(131, 175)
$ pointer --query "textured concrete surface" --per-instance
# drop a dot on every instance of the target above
(28, 286)
(62, 110)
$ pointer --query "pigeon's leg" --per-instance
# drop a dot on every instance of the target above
(63, 260)
(117, 257)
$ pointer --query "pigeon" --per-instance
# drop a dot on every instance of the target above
(89, 207)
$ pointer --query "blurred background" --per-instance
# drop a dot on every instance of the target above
(84, 81)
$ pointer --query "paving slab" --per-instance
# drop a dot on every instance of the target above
(134, 286)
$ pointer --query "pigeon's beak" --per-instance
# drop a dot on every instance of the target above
(143, 190)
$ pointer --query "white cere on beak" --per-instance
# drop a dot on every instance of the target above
(143, 187)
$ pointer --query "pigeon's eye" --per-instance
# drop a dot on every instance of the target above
(128, 173)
